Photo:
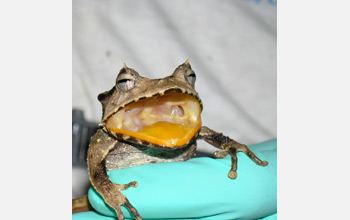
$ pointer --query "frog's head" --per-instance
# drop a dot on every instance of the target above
(153, 112)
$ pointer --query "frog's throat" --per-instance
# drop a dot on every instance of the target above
(169, 120)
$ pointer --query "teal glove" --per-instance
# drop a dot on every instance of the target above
(198, 188)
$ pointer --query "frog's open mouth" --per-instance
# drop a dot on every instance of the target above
(169, 120)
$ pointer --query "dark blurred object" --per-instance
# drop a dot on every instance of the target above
(82, 132)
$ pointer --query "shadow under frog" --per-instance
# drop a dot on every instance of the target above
(151, 121)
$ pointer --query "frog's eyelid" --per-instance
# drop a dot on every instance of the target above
(125, 84)
(125, 75)
(192, 75)
(124, 80)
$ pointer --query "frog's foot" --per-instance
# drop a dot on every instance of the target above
(232, 148)
(115, 199)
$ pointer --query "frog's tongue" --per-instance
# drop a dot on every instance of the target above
(170, 120)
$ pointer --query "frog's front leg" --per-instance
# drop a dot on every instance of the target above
(228, 146)
(100, 145)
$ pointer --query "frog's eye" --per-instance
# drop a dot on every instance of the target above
(125, 81)
(190, 77)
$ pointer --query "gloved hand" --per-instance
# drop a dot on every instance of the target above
(198, 188)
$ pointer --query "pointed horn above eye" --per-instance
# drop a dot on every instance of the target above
(125, 66)
(181, 69)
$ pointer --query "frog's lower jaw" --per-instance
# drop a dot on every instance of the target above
(171, 120)
(139, 155)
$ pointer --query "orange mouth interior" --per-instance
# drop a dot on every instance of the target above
(170, 120)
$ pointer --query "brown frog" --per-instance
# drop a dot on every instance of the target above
(150, 121)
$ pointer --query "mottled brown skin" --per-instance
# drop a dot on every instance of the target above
(228, 146)
(110, 149)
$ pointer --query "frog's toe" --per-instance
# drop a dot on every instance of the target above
(115, 199)
(220, 153)
(133, 184)
(126, 186)
(232, 174)
(127, 204)
(132, 210)
(251, 155)
(264, 163)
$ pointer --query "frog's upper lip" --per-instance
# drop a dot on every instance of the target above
(160, 93)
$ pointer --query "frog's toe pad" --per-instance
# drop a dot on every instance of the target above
(232, 174)
(264, 163)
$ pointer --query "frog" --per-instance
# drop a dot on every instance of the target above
(151, 121)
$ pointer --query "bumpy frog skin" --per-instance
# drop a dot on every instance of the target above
(150, 121)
